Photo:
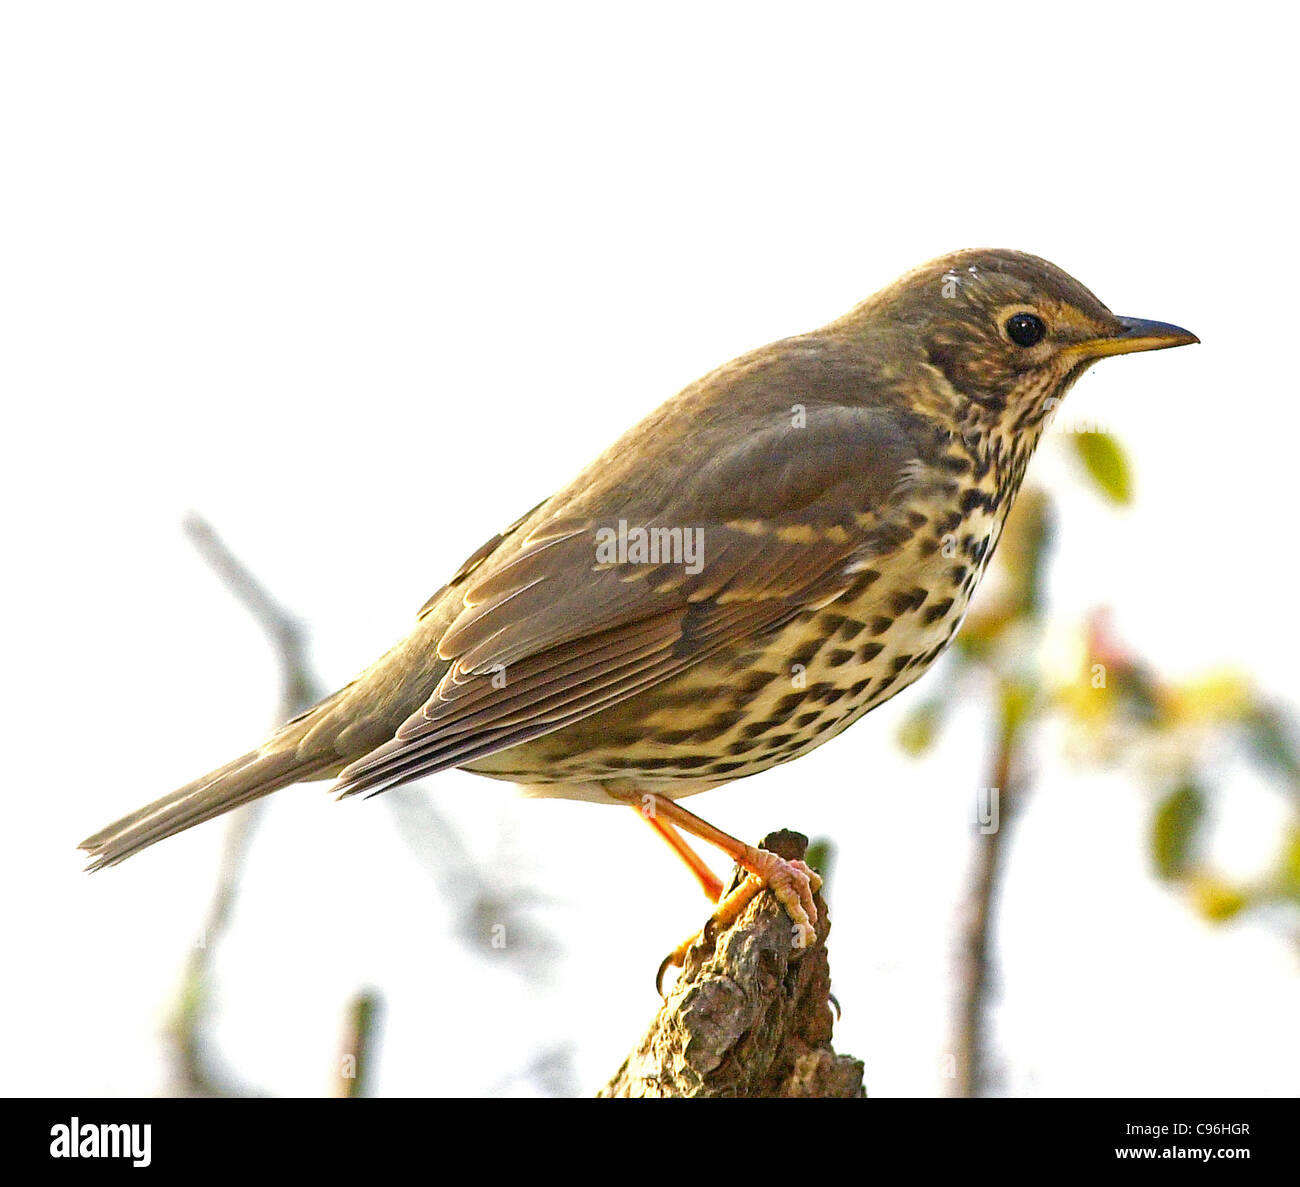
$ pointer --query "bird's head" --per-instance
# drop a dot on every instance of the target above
(1007, 332)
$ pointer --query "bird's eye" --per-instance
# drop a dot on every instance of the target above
(1025, 329)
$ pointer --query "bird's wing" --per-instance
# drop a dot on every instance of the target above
(568, 625)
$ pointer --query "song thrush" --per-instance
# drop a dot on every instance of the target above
(782, 546)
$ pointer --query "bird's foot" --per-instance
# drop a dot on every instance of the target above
(792, 882)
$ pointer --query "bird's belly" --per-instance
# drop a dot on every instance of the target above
(754, 706)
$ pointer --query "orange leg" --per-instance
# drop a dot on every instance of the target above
(792, 882)
(710, 881)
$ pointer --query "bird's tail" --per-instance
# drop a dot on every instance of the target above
(247, 778)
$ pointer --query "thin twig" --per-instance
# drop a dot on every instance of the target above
(300, 686)
(359, 1044)
(972, 1042)
(1018, 601)
(484, 909)
(192, 1071)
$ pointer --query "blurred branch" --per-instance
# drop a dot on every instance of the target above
(480, 905)
(997, 640)
(192, 1069)
(1005, 790)
(551, 1071)
(300, 686)
(748, 1016)
(357, 1051)
(487, 908)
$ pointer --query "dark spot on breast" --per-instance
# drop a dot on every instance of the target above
(858, 688)
(839, 657)
(869, 651)
(901, 661)
(721, 723)
(880, 625)
(851, 629)
(721, 768)
(804, 655)
(789, 703)
(938, 610)
(905, 600)
(806, 719)
(754, 680)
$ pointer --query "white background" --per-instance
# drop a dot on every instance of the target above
(360, 283)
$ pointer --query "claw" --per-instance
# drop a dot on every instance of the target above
(792, 882)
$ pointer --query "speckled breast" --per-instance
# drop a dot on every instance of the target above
(781, 695)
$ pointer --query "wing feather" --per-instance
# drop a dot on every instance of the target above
(568, 634)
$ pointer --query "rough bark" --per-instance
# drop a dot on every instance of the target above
(749, 1015)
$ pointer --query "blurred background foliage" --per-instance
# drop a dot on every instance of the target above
(1071, 684)
(1105, 706)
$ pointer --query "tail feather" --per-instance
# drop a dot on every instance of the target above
(317, 744)
(247, 778)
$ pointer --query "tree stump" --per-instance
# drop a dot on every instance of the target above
(749, 1014)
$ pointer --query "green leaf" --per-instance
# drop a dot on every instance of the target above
(1218, 901)
(1291, 866)
(1173, 832)
(1107, 464)
(1271, 741)
(917, 733)
(821, 856)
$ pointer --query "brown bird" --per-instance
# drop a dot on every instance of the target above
(779, 548)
